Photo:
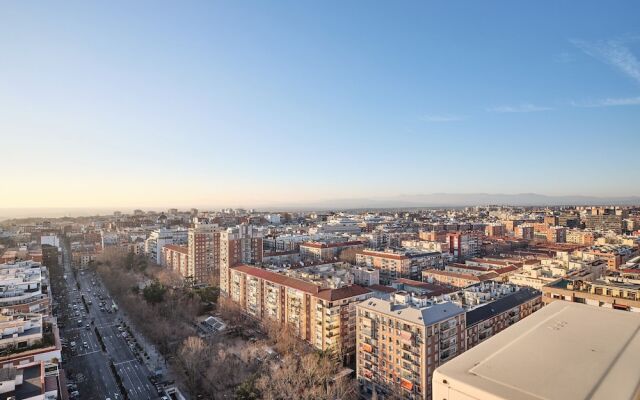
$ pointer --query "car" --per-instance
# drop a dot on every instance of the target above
(73, 344)
(75, 393)
(87, 327)
(85, 344)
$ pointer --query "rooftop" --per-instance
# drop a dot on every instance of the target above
(564, 351)
(426, 315)
(501, 305)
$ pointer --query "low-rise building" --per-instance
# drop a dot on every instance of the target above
(606, 293)
(19, 332)
(488, 319)
(326, 251)
(399, 263)
(457, 279)
(24, 288)
(577, 236)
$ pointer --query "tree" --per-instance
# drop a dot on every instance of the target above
(193, 355)
(311, 376)
(154, 293)
(247, 390)
(348, 255)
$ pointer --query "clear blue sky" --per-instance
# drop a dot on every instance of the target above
(225, 103)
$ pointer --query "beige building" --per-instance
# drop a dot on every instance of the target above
(399, 264)
(400, 342)
(323, 316)
(176, 258)
(457, 279)
(585, 238)
(203, 263)
(239, 245)
(600, 293)
(320, 251)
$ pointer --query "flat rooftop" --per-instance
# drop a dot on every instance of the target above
(564, 351)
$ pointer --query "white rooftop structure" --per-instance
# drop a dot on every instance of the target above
(564, 351)
(410, 308)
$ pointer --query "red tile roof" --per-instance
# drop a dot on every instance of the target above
(342, 293)
(278, 278)
(382, 288)
(180, 249)
(294, 283)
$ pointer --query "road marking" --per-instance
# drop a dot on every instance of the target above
(86, 354)
(124, 362)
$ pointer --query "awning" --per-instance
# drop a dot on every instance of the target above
(406, 384)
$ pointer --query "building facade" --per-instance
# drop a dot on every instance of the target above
(324, 317)
(239, 245)
(402, 340)
(203, 261)
(399, 264)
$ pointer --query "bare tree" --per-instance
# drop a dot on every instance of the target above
(311, 376)
(348, 255)
(193, 356)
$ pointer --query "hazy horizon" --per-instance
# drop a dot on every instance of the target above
(400, 201)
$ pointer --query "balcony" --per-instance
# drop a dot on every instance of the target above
(446, 327)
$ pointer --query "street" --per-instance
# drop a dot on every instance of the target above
(87, 362)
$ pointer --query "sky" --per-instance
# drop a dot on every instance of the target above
(240, 103)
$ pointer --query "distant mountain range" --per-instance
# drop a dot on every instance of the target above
(400, 201)
(463, 200)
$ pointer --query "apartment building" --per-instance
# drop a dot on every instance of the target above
(402, 340)
(426, 245)
(614, 255)
(19, 332)
(203, 261)
(323, 251)
(585, 238)
(495, 230)
(604, 222)
(550, 220)
(322, 315)
(489, 319)
(457, 279)
(433, 236)
(399, 263)
(524, 231)
(161, 237)
(556, 234)
(24, 288)
(606, 293)
(464, 244)
(176, 258)
(239, 245)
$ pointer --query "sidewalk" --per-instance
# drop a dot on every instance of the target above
(156, 362)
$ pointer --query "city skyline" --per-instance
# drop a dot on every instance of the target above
(223, 105)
